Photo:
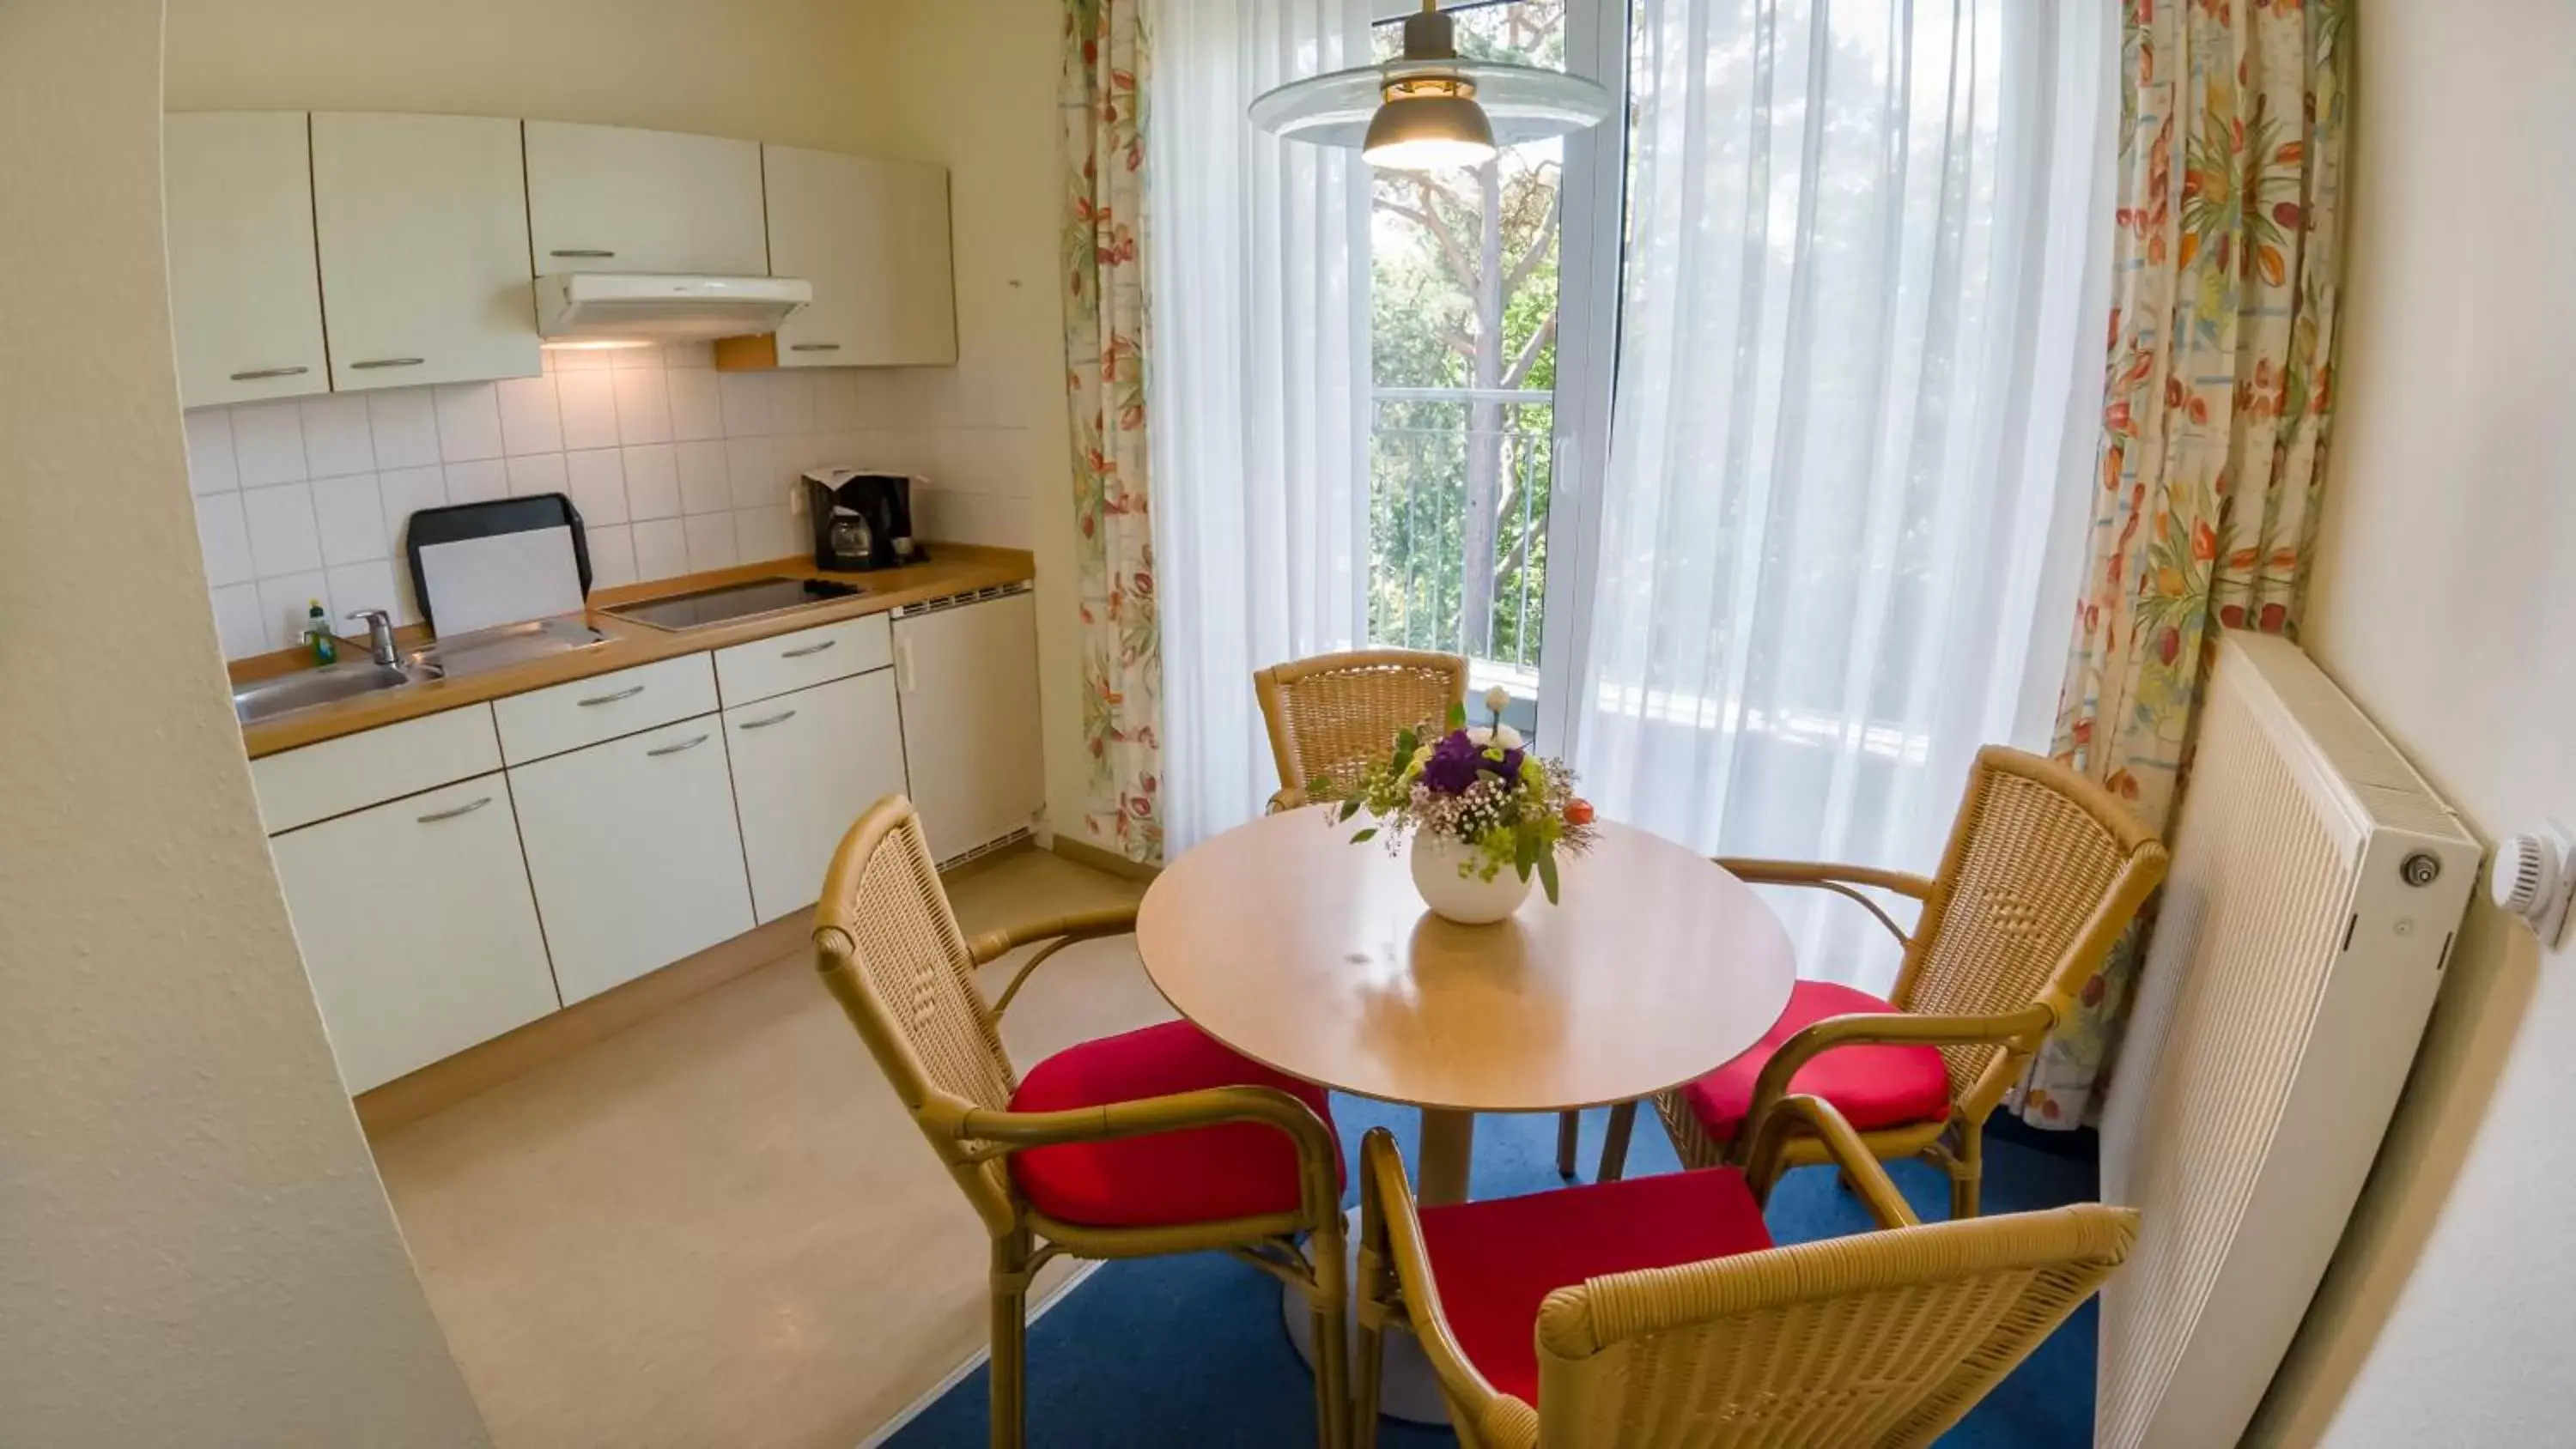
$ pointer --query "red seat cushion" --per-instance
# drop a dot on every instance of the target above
(1237, 1169)
(1495, 1261)
(1871, 1085)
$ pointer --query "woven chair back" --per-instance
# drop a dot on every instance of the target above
(890, 950)
(1331, 715)
(2043, 872)
(1869, 1342)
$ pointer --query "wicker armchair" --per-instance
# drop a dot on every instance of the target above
(2043, 872)
(1158, 1141)
(1657, 1314)
(1332, 714)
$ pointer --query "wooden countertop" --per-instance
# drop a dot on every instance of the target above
(953, 568)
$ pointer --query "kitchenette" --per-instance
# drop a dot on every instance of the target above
(577, 595)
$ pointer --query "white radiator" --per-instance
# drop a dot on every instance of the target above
(2316, 885)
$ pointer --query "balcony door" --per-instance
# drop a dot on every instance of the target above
(1493, 317)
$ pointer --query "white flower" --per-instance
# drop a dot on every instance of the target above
(1507, 737)
(1497, 699)
(1479, 736)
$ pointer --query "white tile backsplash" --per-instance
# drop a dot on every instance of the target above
(589, 403)
(653, 481)
(469, 421)
(675, 468)
(643, 406)
(537, 473)
(529, 422)
(349, 514)
(703, 485)
(283, 539)
(210, 451)
(596, 479)
(268, 443)
(405, 424)
(661, 548)
(224, 540)
(337, 439)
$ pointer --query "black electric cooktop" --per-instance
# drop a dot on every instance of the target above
(732, 602)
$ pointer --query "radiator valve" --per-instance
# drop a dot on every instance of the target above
(2534, 876)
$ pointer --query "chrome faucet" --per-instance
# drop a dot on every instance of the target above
(380, 636)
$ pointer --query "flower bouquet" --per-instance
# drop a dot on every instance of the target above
(1484, 815)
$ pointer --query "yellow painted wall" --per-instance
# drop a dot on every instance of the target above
(194, 1247)
(766, 70)
(2445, 603)
(972, 84)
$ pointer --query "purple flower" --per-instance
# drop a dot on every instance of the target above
(1456, 761)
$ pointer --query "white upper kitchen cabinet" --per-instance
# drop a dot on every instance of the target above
(966, 676)
(872, 236)
(416, 926)
(245, 298)
(617, 199)
(422, 223)
(805, 767)
(634, 853)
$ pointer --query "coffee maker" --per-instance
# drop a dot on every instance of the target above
(861, 520)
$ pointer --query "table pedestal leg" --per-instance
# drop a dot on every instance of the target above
(1407, 1388)
(1448, 1145)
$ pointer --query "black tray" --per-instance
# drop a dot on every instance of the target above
(459, 521)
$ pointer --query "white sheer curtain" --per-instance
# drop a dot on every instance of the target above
(1864, 297)
(1258, 388)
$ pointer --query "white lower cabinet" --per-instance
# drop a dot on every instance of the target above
(967, 676)
(416, 927)
(634, 854)
(805, 766)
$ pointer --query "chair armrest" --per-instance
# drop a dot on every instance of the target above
(1318, 1156)
(1842, 880)
(1860, 1166)
(1284, 799)
(2008, 1030)
(986, 947)
(1391, 1237)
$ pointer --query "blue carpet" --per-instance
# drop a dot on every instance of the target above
(1190, 1350)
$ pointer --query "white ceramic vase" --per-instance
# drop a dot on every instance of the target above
(1445, 871)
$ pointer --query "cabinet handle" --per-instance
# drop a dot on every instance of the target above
(468, 808)
(580, 252)
(814, 347)
(375, 362)
(808, 649)
(903, 665)
(628, 692)
(691, 743)
(259, 374)
(762, 724)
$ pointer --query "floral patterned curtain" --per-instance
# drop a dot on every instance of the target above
(2216, 400)
(1107, 336)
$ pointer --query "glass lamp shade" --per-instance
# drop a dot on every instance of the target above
(1427, 133)
(1520, 103)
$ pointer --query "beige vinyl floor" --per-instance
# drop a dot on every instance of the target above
(717, 1227)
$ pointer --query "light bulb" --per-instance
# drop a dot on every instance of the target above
(1422, 132)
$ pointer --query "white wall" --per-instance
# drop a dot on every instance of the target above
(2445, 604)
(972, 84)
(194, 1248)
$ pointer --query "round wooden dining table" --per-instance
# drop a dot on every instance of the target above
(1313, 955)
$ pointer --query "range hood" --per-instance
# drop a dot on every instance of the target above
(664, 308)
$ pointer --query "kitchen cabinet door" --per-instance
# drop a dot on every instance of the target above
(417, 928)
(422, 224)
(634, 854)
(805, 767)
(245, 298)
(617, 199)
(966, 677)
(872, 236)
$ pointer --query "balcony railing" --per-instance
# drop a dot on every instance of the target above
(1458, 496)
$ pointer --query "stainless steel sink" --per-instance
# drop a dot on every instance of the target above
(268, 698)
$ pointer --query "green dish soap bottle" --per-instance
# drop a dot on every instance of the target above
(317, 632)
